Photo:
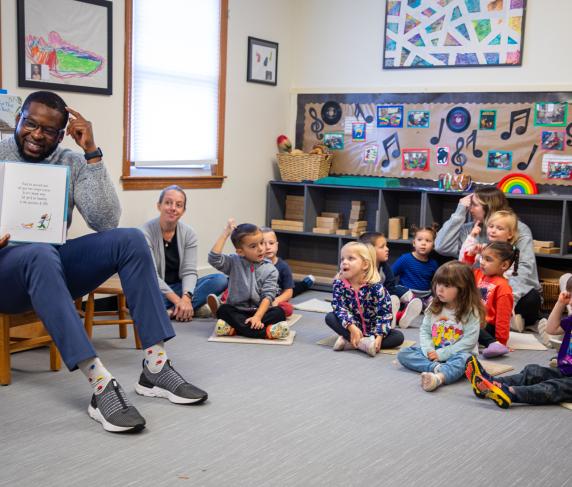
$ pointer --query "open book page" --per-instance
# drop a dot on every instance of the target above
(34, 202)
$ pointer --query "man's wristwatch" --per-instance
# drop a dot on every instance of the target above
(93, 154)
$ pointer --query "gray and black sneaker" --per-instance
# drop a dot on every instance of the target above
(114, 411)
(168, 383)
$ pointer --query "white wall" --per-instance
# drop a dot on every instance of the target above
(255, 115)
(340, 44)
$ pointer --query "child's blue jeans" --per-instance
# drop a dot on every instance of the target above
(453, 369)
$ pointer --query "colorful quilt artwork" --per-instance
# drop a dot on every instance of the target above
(447, 33)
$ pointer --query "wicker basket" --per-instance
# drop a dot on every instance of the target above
(550, 292)
(307, 167)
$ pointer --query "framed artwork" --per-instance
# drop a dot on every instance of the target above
(499, 159)
(453, 33)
(65, 45)
(550, 114)
(262, 61)
(415, 159)
(488, 120)
(390, 116)
(418, 119)
(334, 140)
(358, 131)
(553, 140)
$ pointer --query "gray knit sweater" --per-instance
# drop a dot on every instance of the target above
(91, 189)
(187, 243)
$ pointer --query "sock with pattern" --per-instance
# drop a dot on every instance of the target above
(155, 357)
(97, 375)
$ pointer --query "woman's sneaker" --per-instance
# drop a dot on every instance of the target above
(213, 302)
(279, 331)
(412, 311)
(114, 411)
(168, 383)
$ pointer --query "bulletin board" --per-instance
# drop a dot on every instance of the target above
(484, 135)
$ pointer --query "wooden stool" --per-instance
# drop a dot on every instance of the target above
(111, 286)
(35, 337)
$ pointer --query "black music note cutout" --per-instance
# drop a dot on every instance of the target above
(458, 158)
(435, 140)
(359, 112)
(569, 133)
(516, 116)
(393, 139)
(522, 166)
(317, 125)
(472, 139)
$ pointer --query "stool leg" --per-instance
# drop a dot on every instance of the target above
(137, 339)
(121, 307)
(55, 358)
(89, 311)
(5, 372)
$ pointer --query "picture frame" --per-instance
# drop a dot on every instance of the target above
(415, 159)
(552, 140)
(389, 116)
(262, 63)
(453, 33)
(499, 160)
(418, 119)
(59, 50)
(334, 140)
(550, 114)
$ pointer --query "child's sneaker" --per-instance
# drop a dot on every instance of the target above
(412, 311)
(213, 302)
(495, 349)
(367, 345)
(223, 329)
(340, 344)
(279, 331)
(394, 309)
(495, 391)
(474, 369)
(430, 381)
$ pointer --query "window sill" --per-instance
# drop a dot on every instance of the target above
(131, 183)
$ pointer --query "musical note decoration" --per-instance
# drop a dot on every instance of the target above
(517, 116)
(569, 134)
(317, 125)
(435, 140)
(517, 184)
(358, 112)
(388, 142)
(523, 166)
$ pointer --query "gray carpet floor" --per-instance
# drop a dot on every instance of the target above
(277, 416)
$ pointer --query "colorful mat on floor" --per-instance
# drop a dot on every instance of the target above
(524, 341)
(289, 340)
(329, 342)
(315, 305)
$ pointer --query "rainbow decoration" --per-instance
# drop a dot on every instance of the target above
(517, 184)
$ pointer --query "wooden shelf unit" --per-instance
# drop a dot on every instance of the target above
(548, 216)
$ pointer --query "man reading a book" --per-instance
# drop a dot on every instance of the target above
(47, 278)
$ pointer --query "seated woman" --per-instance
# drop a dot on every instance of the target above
(174, 248)
(481, 205)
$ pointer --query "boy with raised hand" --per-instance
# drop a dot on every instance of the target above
(534, 384)
(252, 285)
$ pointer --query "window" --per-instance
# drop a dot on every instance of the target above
(175, 69)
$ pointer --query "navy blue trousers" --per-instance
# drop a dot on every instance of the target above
(47, 279)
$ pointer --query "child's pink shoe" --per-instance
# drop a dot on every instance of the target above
(495, 349)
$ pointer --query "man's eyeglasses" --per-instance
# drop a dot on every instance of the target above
(30, 125)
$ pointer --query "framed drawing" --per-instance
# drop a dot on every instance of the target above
(453, 33)
(262, 61)
(65, 45)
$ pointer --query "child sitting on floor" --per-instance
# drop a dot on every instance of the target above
(535, 384)
(362, 308)
(416, 269)
(496, 294)
(501, 226)
(252, 286)
(399, 294)
(450, 328)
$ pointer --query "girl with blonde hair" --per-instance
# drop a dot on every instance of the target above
(361, 306)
